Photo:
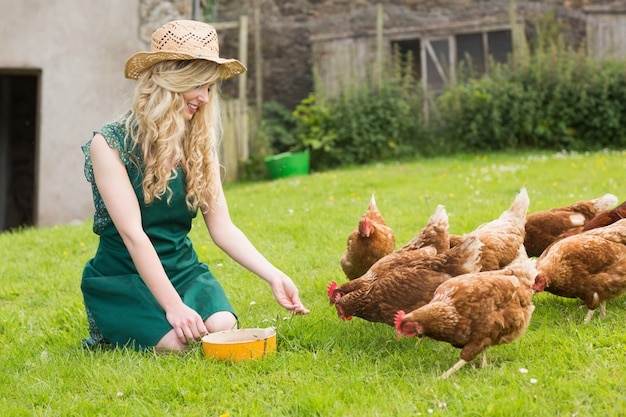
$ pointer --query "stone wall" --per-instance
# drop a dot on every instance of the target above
(288, 25)
(78, 50)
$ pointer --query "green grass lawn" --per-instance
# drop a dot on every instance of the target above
(323, 367)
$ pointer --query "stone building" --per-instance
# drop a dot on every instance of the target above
(299, 35)
(61, 67)
(61, 78)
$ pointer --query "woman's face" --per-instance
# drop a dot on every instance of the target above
(195, 98)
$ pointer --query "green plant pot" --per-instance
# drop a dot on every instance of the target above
(287, 164)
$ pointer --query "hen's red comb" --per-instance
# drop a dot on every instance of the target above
(331, 289)
(397, 322)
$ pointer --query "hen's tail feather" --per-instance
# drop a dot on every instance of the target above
(372, 202)
(440, 215)
(605, 202)
(519, 207)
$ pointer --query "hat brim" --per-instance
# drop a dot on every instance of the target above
(139, 62)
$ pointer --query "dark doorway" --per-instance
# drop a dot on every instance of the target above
(19, 92)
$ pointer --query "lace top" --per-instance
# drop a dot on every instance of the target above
(115, 135)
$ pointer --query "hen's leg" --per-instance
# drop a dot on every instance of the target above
(589, 316)
(483, 361)
(603, 309)
(455, 368)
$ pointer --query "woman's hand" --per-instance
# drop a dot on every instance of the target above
(286, 293)
(187, 324)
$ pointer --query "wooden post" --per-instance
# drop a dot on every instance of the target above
(244, 148)
(452, 58)
(229, 152)
(195, 11)
(235, 145)
(378, 77)
(424, 65)
(485, 56)
(518, 38)
(258, 64)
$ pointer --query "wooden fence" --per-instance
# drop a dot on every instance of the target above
(235, 146)
(237, 117)
(606, 30)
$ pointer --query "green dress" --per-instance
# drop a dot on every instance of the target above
(121, 310)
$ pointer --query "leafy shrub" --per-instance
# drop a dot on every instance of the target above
(561, 99)
(557, 98)
(377, 124)
(277, 127)
(315, 126)
(362, 125)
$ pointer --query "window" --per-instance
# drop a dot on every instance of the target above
(441, 55)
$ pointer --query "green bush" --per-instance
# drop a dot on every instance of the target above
(277, 128)
(363, 125)
(377, 124)
(561, 99)
(556, 99)
(314, 126)
(275, 134)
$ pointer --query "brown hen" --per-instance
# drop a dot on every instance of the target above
(606, 217)
(405, 279)
(475, 311)
(434, 234)
(503, 236)
(590, 266)
(372, 240)
(546, 227)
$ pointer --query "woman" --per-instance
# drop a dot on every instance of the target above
(151, 172)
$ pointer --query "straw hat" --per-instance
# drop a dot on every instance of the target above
(182, 40)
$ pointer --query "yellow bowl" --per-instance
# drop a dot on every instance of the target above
(239, 345)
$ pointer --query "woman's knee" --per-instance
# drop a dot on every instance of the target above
(170, 343)
(220, 321)
(217, 322)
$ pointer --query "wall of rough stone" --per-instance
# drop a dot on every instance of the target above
(288, 25)
(80, 49)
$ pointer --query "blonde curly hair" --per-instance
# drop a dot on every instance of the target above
(165, 140)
